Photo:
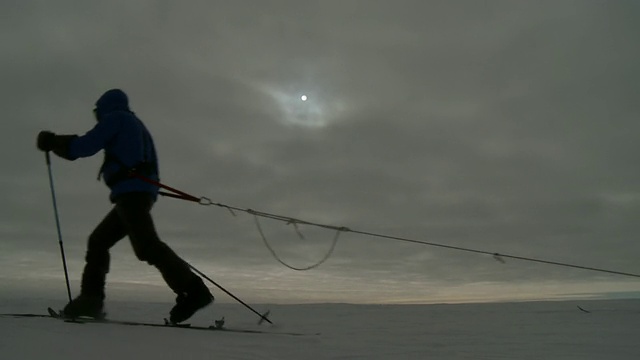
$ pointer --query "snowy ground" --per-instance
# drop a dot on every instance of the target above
(538, 330)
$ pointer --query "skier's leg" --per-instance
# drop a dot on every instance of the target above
(105, 235)
(134, 210)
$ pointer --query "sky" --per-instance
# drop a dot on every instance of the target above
(501, 126)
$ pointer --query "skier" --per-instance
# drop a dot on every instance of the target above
(127, 146)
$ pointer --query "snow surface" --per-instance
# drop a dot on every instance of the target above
(534, 330)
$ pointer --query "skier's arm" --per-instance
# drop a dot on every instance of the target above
(95, 139)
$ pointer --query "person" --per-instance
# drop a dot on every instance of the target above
(128, 146)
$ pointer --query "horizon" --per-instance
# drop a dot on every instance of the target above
(144, 292)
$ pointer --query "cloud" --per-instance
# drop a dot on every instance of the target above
(507, 127)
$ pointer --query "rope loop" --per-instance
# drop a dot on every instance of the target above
(279, 259)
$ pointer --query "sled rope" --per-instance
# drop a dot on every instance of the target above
(340, 229)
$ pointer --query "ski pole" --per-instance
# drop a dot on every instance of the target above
(263, 317)
(55, 211)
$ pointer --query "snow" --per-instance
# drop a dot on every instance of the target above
(532, 330)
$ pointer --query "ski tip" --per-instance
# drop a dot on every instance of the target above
(53, 313)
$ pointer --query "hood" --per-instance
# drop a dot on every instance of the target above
(112, 100)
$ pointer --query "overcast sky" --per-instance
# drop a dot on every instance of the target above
(503, 126)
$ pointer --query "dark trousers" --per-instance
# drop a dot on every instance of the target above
(131, 216)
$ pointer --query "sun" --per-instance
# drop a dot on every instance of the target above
(300, 107)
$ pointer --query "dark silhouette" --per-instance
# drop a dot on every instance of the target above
(128, 146)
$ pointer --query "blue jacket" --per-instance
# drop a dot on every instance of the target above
(126, 142)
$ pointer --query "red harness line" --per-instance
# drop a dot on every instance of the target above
(175, 193)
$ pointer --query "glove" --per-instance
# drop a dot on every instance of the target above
(46, 140)
(59, 144)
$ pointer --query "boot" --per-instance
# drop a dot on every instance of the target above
(85, 306)
(188, 303)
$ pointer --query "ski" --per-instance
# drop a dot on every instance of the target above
(218, 326)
